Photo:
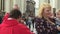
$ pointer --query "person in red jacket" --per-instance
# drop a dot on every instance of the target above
(11, 24)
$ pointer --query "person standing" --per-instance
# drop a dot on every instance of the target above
(44, 23)
(58, 19)
(11, 24)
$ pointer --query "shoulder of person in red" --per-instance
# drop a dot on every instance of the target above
(18, 28)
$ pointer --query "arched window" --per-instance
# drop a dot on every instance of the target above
(37, 3)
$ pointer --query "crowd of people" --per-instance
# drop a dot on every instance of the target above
(14, 22)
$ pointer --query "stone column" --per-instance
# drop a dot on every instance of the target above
(23, 5)
(7, 5)
(58, 4)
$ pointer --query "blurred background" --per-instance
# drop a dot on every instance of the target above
(27, 7)
(30, 6)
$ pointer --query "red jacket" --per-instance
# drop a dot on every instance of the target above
(6, 16)
(12, 26)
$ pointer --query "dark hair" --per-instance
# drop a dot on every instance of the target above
(15, 13)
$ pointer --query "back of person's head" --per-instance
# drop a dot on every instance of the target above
(16, 6)
(15, 14)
